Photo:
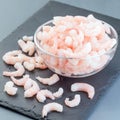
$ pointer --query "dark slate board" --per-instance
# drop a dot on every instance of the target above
(101, 81)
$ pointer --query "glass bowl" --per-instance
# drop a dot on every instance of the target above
(68, 66)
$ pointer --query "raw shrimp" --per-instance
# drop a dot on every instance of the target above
(20, 82)
(27, 47)
(73, 103)
(12, 57)
(9, 88)
(51, 107)
(19, 72)
(42, 94)
(59, 93)
(84, 87)
(49, 81)
(32, 89)
(27, 38)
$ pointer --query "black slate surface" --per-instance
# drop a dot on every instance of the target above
(101, 81)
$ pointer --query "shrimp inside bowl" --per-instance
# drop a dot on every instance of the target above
(76, 46)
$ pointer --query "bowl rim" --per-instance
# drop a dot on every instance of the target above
(64, 57)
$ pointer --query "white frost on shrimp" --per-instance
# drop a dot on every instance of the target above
(27, 46)
(51, 107)
(31, 88)
(27, 38)
(49, 81)
(84, 87)
(19, 72)
(12, 57)
(43, 94)
(73, 103)
(10, 89)
(58, 93)
(21, 81)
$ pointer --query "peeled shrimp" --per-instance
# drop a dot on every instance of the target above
(84, 87)
(9, 88)
(27, 47)
(51, 107)
(59, 93)
(20, 82)
(12, 57)
(27, 38)
(42, 94)
(49, 81)
(29, 64)
(32, 89)
(39, 62)
(73, 103)
(19, 72)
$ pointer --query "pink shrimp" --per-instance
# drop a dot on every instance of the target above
(49, 81)
(19, 72)
(51, 107)
(12, 57)
(20, 82)
(84, 87)
(32, 89)
(59, 93)
(27, 47)
(73, 103)
(10, 89)
(39, 62)
(42, 94)
(29, 64)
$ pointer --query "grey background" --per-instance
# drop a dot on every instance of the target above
(14, 12)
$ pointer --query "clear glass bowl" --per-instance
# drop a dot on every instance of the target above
(58, 64)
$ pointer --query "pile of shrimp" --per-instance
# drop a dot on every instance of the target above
(79, 40)
(26, 58)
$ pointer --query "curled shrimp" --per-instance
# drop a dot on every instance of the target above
(27, 46)
(51, 107)
(84, 87)
(49, 81)
(29, 64)
(9, 88)
(20, 82)
(19, 72)
(73, 103)
(31, 89)
(39, 62)
(42, 94)
(59, 93)
(12, 57)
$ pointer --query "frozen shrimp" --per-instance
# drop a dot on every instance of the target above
(20, 82)
(59, 93)
(27, 38)
(12, 57)
(32, 89)
(19, 72)
(29, 64)
(73, 103)
(51, 107)
(49, 81)
(9, 88)
(39, 62)
(75, 37)
(42, 94)
(27, 47)
(84, 87)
